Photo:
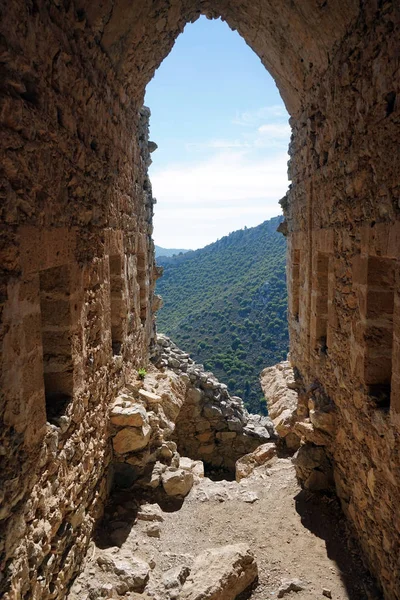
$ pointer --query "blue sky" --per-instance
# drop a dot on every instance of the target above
(222, 133)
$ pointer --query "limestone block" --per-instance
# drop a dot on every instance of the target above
(221, 574)
(278, 385)
(153, 479)
(198, 468)
(235, 425)
(131, 439)
(165, 452)
(171, 404)
(194, 395)
(323, 420)
(149, 397)
(195, 466)
(261, 433)
(290, 585)
(283, 423)
(177, 482)
(203, 426)
(306, 431)
(309, 457)
(174, 578)
(292, 441)
(128, 416)
(150, 512)
(210, 412)
(132, 574)
(246, 464)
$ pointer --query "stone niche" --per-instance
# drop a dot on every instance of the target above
(78, 273)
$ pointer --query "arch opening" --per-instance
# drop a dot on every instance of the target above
(75, 193)
(221, 165)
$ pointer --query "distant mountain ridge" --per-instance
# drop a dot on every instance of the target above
(226, 304)
(167, 251)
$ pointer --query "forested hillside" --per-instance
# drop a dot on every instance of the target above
(226, 305)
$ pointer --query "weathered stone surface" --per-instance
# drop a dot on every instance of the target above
(78, 269)
(306, 431)
(290, 585)
(247, 463)
(323, 420)
(132, 575)
(150, 512)
(177, 482)
(131, 439)
(221, 574)
(279, 387)
(194, 466)
(175, 577)
(128, 416)
(313, 467)
(149, 397)
(211, 425)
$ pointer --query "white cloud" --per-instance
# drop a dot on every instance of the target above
(239, 182)
(219, 144)
(275, 130)
(251, 118)
(202, 201)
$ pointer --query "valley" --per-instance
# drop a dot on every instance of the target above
(226, 304)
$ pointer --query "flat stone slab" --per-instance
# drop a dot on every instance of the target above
(149, 396)
(221, 574)
(128, 416)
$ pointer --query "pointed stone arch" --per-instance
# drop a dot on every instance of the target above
(74, 151)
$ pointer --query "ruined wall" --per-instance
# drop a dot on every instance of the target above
(76, 286)
(211, 425)
(343, 265)
(77, 272)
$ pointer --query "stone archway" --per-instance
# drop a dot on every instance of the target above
(76, 247)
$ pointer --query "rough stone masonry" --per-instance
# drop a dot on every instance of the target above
(77, 269)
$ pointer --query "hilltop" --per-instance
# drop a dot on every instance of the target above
(168, 251)
(226, 304)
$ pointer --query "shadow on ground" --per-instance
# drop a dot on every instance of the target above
(323, 516)
(121, 512)
(218, 474)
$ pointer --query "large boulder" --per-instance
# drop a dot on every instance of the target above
(221, 574)
(177, 482)
(133, 415)
(131, 439)
(132, 574)
(193, 466)
(247, 463)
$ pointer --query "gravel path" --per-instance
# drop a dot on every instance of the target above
(293, 534)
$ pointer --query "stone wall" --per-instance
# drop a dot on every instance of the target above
(211, 426)
(77, 271)
(177, 412)
(77, 284)
(343, 264)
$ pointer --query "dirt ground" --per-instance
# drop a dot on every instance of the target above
(293, 534)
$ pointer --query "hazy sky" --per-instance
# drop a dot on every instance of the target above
(222, 133)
